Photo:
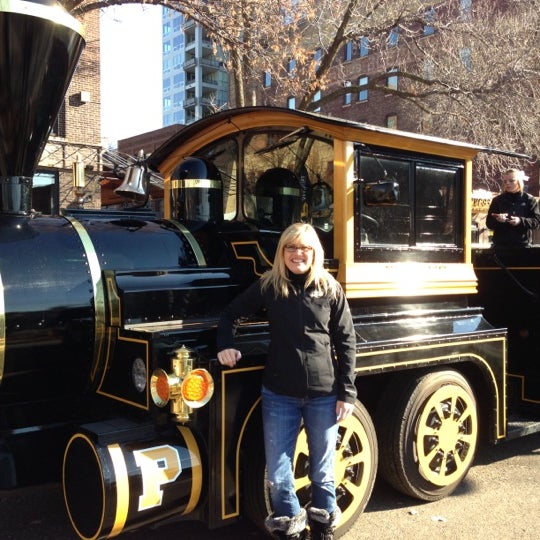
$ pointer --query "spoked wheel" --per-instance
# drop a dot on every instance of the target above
(355, 471)
(428, 433)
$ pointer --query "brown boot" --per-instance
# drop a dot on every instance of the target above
(290, 528)
(322, 523)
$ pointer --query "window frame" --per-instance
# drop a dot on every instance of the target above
(391, 252)
(363, 95)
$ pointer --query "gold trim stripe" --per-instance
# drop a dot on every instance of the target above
(257, 248)
(196, 469)
(121, 480)
(522, 379)
(98, 461)
(115, 311)
(117, 339)
(363, 280)
(195, 183)
(465, 355)
(97, 286)
(224, 495)
(201, 260)
(287, 191)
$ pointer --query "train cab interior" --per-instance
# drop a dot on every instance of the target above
(403, 201)
(272, 178)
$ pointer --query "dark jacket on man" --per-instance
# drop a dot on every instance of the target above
(520, 204)
(312, 339)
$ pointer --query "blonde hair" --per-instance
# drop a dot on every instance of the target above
(519, 175)
(277, 278)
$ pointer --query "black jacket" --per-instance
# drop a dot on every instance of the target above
(312, 340)
(519, 204)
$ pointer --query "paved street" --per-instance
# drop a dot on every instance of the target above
(499, 498)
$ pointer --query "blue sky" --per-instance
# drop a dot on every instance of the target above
(130, 71)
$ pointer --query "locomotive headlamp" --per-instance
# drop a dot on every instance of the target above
(197, 388)
(185, 388)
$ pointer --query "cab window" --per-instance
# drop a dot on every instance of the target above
(406, 202)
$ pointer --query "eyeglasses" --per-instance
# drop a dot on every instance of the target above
(289, 248)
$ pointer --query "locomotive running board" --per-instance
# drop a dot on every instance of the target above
(518, 426)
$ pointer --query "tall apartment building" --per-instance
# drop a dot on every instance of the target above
(195, 82)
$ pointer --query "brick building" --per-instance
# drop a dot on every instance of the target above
(148, 141)
(131, 146)
(76, 134)
(375, 69)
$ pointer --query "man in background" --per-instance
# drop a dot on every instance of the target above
(513, 214)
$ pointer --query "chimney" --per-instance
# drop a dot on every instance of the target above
(41, 45)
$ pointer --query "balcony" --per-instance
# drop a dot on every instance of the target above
(202, 101)
(192, 63)
(188, 24)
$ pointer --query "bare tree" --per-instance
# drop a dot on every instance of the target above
(467, 69)
(478, 80)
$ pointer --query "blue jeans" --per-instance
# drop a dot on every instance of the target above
(282, 416)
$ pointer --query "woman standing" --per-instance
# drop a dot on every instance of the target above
(308, 376)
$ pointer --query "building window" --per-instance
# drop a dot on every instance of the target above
(45, 192)
(317, 56)
(178, 79)
(166, 28)
(393, 37)
(363, 47)
(178, 117)
(59, 125)
(177, 23)
(465, 55)
(166, 84)
(363, 94)
(428, 69)
(177, 60)
(177, 99)
(391, 121)
(178, 42)
(348, 51)
(392, 80)
(166, 47)
(267, 79)
(291, 67)
(347, 98)
(429, 18)
(316, 98)
(291, 102)
(465, 8)
(166, 102)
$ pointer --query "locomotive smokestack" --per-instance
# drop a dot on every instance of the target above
(40, 45)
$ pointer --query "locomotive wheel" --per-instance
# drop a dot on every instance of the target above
(355, 471)
(428, 434)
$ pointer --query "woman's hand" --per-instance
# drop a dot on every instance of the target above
(343, 410)
(229, 357)
(501, 218)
